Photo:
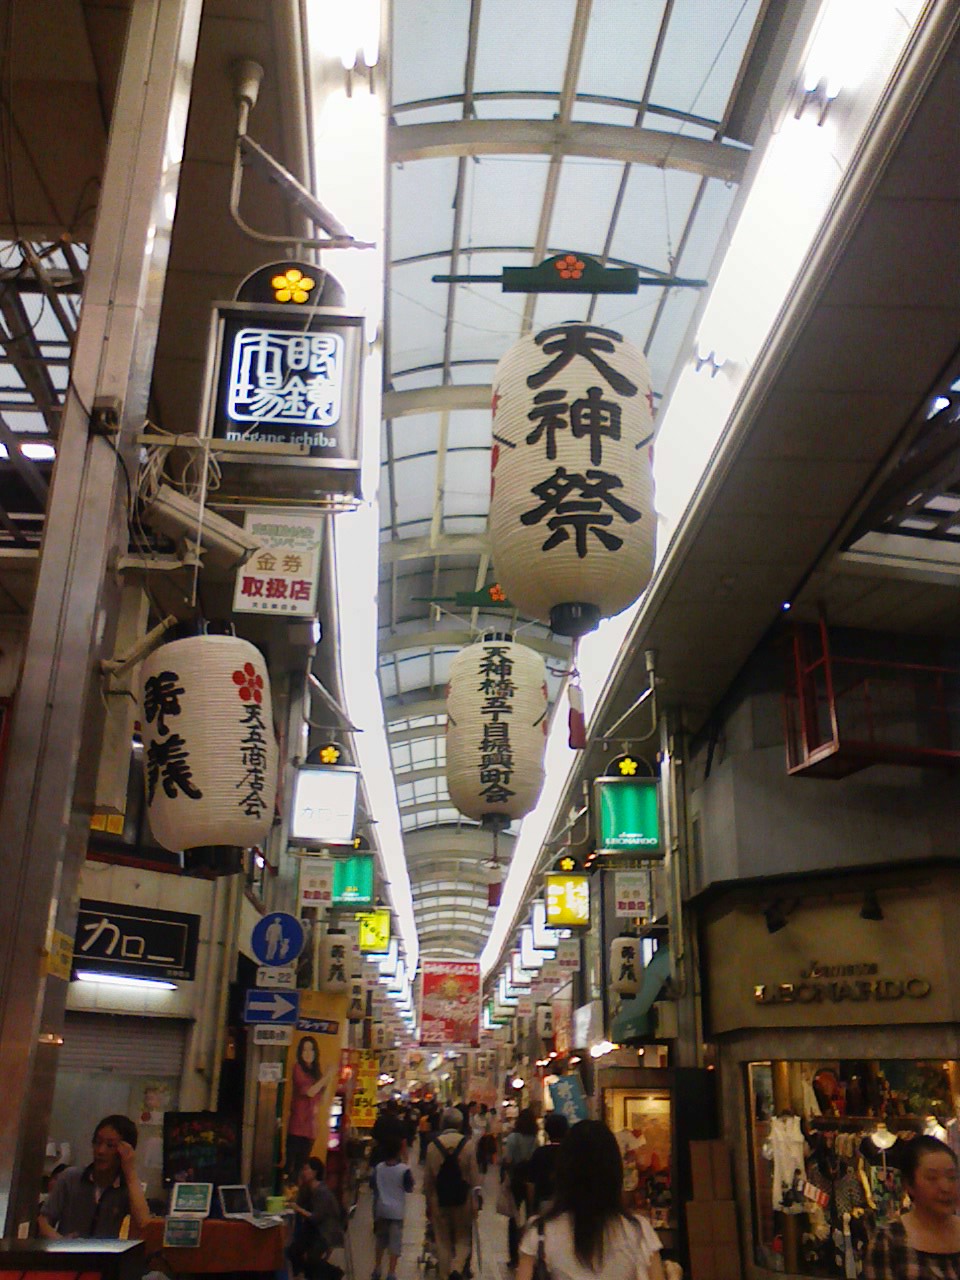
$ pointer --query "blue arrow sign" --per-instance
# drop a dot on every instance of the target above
(280, 1008)
(277, 938)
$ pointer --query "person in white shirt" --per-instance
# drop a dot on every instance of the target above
(586, 1234)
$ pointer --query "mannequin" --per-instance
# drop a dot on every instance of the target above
(934, 1129)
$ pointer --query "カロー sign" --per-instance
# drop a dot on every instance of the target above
(135, 942)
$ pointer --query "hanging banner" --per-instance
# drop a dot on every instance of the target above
(281, 578)
(363, 1112)
(568, 957)
(450, 1002)
(313, 1059)
(632, 893)
(316, 883)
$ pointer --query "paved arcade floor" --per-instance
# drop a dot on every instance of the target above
(492, 1232)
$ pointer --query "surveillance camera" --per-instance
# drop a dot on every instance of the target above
(180, 518)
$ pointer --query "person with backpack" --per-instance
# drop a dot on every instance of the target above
(450, 1179)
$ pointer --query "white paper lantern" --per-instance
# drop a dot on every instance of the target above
(496, 730)
(356, 1000)
(334, 962)
(572, 521)
(626, 967)
(210, 755)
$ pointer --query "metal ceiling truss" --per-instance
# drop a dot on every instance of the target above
(623, 143)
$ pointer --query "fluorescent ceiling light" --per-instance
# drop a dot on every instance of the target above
(38, 451)
(349, 159)
(121, 980)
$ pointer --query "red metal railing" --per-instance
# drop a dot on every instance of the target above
(845, 713)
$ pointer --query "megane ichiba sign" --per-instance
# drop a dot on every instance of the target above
(289, 377)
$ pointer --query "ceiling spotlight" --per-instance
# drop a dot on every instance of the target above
(871, 909)
(775, 915)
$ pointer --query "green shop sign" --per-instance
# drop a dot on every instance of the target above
(628, 816)
(353, 881)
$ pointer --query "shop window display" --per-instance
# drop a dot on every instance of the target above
(825, 1155)
(640, 1120)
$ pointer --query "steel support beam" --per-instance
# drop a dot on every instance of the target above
(58, 716)
(447, 544)
(402, 404)
(415, 711)
(624, 143)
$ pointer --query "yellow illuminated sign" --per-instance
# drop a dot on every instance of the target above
(374, 930)
(568, 900)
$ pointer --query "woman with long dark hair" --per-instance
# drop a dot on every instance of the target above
(306, 1089)
(586, 1233)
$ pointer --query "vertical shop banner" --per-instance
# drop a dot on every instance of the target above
(562, 1024)
(282, 576)
(450, 1002)
(566, 1094)
(632, 893)
(313, 1057)
(364, 1110)
(316, 883)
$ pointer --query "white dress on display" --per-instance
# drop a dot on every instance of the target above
(786, 1150)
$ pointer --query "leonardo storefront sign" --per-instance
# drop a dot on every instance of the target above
(839, 982)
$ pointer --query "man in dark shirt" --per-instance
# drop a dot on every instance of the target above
(92, 1203)
(543, 1162)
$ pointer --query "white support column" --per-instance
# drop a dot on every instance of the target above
(58, 718)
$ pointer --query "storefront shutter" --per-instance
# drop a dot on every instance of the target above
(128, 1045)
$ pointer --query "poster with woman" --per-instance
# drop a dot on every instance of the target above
(312, 1070)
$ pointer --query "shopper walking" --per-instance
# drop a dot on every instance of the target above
(925, 1243)
(586, 1234)
(392, 1183)
(518, 1147)
(451, 1183)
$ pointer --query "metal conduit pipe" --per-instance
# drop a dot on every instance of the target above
(229, 950)
(198, 1057)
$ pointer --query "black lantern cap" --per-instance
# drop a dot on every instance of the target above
(574, 619)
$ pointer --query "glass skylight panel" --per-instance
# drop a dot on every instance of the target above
(523, 48)
(503, 199)
(656, 206)
(702, 53)
(430, 112)
(466, 489)
(421, 202)
(429, 48)
(585, 198)
(668, 340)
(417, 313)
(415, 434)
(620, 43)
(404, 793)
(415, 479)
(423, 752)
(514, 105)
(711, 215)
(589, 112)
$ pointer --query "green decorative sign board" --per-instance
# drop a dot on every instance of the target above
(628, 816)
(353, 881)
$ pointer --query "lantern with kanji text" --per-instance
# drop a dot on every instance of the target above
(626, 967)
(572, 522)
(496, 730)
(209, 750)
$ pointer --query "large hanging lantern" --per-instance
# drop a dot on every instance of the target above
(496, 730)
(210, 755)
(572, 522)
(334, 955)
(626, 967)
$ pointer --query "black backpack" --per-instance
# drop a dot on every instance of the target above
(452, 1189)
